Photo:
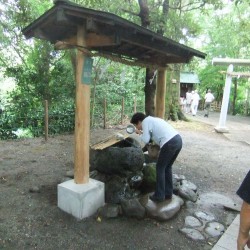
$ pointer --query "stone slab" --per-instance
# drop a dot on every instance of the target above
(81, 200)
(221, 130)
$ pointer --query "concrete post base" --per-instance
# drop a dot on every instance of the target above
(221, 130)
(80, 200)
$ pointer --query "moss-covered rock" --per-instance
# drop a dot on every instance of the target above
(149, 179)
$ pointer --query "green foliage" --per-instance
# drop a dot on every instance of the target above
(6, 127)
(211, 78)
(40, 73)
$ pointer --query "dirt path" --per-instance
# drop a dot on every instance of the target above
(32, 220)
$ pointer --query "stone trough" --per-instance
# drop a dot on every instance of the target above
(129, 176)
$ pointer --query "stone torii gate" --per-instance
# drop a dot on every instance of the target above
(221, 128)
(97, 33)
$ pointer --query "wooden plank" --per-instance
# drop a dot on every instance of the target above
(107, 142)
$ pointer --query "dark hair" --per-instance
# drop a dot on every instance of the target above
(137, 117)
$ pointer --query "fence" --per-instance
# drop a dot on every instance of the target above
(47, 122)
(215, 106)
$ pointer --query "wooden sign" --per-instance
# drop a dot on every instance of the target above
(87, 70)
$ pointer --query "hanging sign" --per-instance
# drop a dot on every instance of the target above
(87, 70)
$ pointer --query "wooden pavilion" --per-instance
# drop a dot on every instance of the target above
(96, 33)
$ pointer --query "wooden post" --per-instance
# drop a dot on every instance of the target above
(105, 114)
(82, 116)
(160, 93)
(46, 120)
(122, 115)
(134, 104)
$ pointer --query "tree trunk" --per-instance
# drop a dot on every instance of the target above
(144, 13)
(150, 83)
(150, 88)
(173, 110)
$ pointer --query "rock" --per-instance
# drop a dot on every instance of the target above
(189, 185)
(133, 208)
(70, 174)
(232, 206)
(153, 151)
(35, 189)
(116, 189)
(99, 176)
(119, 161)
(165, 210)
(148, 159)
(179, 177)
(193, 222)
(187, 194)
(136, 180)
(193, 234)
(149, 179)
(109, 211)
(214, 229)
(204, 216)
(176, 185)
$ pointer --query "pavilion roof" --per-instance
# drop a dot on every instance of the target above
(108, 35)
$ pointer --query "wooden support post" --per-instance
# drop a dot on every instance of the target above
(134, 104)
(82, 116)
(105, 114)
(122, 115)
(46, 120)
(160, 93)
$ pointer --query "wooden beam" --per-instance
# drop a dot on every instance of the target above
(95, 40)
(160, 93)
(82, 117)
(92, 40)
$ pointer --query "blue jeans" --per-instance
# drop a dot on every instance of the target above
(167, 156)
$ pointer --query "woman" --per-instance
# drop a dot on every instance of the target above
(170, 142)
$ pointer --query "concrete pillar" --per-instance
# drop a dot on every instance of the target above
(221, 128)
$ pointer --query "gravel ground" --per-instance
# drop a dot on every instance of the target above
(32, 220)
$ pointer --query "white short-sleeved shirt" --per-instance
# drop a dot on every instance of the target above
(161, 130)
(195, 99)
(209, 97)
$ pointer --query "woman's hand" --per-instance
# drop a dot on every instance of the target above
(137, 131)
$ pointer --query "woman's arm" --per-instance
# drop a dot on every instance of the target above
(145, 132)
(243, 236)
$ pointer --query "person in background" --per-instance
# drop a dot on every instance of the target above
(170, 142)
(209, 98)
(195, 102)
(182, 103)
(188, 101)
(244, 229)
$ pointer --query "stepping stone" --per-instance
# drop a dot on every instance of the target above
(214, 229)
(191, 221)
(164, 210)
(193, 234)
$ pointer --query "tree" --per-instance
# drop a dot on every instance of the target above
(40, 72)
(226, 37)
